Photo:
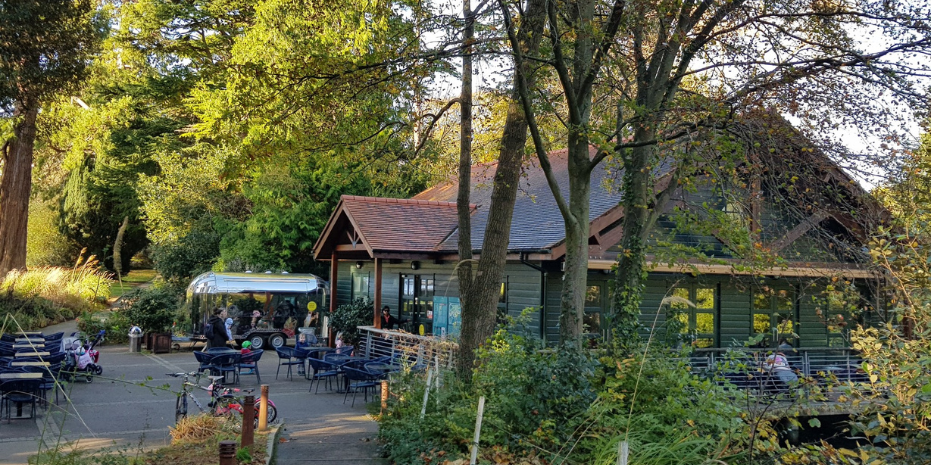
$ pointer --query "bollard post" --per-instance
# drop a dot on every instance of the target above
(227, 452)
(263, 409)
(384, 395)
(248, 421)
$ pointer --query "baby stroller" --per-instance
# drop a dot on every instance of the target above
(81, 359)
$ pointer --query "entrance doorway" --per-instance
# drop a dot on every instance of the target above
(417, 303)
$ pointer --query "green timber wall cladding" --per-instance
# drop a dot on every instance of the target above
(522, 285)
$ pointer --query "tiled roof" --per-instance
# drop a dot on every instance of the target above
(401, 224)
(537, 222)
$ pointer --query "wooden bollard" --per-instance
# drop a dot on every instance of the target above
(227, 452)
(384, 395)
(263, 409)
(248, 421)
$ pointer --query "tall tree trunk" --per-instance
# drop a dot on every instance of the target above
(575, 280)
(638, 203)
(118, 249)
(465, 265)
(15, 188)
(478, 316)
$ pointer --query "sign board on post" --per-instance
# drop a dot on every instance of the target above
(447, 316)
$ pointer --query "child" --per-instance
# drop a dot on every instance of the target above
(255, 318)
(339, 340)
(246, 357)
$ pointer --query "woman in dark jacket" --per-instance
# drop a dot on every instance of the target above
(219, 329)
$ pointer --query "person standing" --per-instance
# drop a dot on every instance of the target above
(388, 321)
(218, 325)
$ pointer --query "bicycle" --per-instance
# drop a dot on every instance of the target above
(223, 401)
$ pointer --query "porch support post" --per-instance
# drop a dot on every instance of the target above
(377, 299)
(334, 274)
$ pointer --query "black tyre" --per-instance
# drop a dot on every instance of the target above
(257, 342)
(180, 408)
(277, 340)
(270, 416)
(99, 370)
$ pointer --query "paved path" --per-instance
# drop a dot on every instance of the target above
(131, 408)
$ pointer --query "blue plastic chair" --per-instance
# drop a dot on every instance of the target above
(205, 360)
(21, 391)
(250, 362)
(323, 370)
(359, 379)
(286, 358)
(226, 364)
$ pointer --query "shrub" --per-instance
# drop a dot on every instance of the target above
(348, 317)
(154, 309)
(114, 323)
(83, 287)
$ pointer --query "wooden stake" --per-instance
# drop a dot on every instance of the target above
(623, 452)
(478, 429)
(426, 393)
(248, 421)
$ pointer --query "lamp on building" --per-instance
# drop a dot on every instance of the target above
(415, 265)
(359, 265)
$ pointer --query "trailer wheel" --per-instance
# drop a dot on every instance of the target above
(277, 340)
(257, 342)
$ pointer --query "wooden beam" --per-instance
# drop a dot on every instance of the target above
(378, 316)
(798, 231)
(334, 274)
(813, 270)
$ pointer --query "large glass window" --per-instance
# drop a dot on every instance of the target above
(360, 285)
(697, 319)
(774, 316)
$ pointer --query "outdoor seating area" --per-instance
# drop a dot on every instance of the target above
(30, 363)
(341, 369)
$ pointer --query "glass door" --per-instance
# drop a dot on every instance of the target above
(417, 303)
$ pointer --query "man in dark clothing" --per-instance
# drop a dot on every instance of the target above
(388, 321)
(219, 328)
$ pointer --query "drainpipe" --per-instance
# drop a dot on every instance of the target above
(542, 295)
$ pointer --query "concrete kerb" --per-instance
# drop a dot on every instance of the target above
(271, 448)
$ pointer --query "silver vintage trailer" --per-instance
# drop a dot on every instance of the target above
(266, 308)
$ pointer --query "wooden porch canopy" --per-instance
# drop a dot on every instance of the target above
(376, 228)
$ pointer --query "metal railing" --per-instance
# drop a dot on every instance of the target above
(411, 348)
(816, 362)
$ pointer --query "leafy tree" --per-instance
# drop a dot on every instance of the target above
(44, 49)
(670, 68)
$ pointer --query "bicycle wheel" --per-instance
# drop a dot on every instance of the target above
(270, 416)
(180, 408)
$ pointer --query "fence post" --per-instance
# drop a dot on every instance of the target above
(623, 451)
(426, 393)
(263, 409)
(478, 429)
(248, 421)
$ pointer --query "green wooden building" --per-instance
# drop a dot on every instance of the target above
(784, 256)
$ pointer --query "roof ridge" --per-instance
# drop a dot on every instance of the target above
(389, 200)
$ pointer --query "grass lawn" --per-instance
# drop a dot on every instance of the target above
(133, 279)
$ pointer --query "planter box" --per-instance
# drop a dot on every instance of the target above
(161, 343)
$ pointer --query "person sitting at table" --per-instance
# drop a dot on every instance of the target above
(778, 365)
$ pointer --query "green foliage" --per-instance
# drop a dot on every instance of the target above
(31, 313)
(83, 287)
(45, 244)
(896, 403)
(116, 324)
(659, 405)
(348, 317)
(194, 253)
(154, 309)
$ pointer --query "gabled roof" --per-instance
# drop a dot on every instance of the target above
(376, 224)
(537, 223)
